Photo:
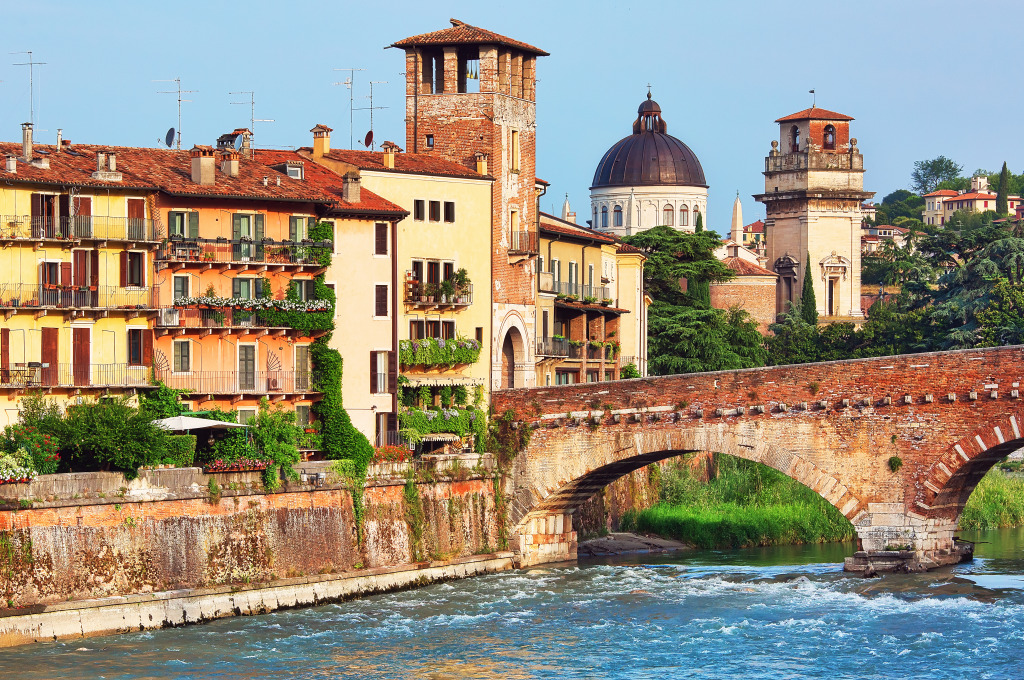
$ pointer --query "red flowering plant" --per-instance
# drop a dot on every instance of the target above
(237, 465)
(391, 454)
(43, 449)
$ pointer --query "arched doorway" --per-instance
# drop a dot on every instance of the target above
(511, 348)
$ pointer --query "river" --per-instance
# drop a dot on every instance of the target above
(786, 612)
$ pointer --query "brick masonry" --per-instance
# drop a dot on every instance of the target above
(832, 426)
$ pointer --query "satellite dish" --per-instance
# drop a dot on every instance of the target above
(169, 138)
(238, 142)
(369, 139)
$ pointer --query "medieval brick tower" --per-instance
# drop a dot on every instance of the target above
(813, 190)
(471, 98)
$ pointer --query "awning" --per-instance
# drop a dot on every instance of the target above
(443, 437)
(185, 423)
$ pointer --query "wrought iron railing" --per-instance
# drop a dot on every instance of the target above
(34, 296)
(75, 227)
(390, 438)
(40, 374)
(417, 293)
(212, 318)
(524, 242)
(239, 382)
(180, 249)
(553, 347)
(580, 290)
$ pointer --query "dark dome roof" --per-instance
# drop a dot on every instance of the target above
(649, 156)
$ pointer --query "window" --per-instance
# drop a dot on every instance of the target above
(794, 138)
(480, 335)
(417, 329)
(556, 270)
(540, 263)
(177, 224)
(136, 275)
(295, 172)
(381, 300)
(449, 211)
(418, 212)
(135, 346)
(430, 141)
(301, 411)
(305, 289)
(182, 356)
(180, 287)
(574, 276)
(244, 289)
(380, 238)
(618, 216)
(604, 217)
(298, 228)
(830, 138)
(513, 220)
(684, 217)
(245, 415)
(667, 215)
(514, 161)
(590, 277)
(378, 372)
(448, 270)
(435, 211)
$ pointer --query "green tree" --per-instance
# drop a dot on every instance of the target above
(808, 304)
(927, 175)
(1002, 203)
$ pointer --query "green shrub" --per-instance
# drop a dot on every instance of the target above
(274, 434)
(181, 450)
(463, 422)
(43, 449)
(629, 371)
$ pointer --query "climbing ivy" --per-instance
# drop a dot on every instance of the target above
(463, 422)
(507, 437)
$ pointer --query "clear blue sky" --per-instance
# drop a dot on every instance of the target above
(922, 78)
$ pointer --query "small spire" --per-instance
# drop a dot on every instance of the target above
(648, 90)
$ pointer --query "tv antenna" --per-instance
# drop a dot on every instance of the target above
(371, 107)
(814, 98)
(179, 92)
(31, 63)
(252, 111)
(348, 82)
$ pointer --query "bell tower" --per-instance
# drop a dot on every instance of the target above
(813, 190)
(471, 99)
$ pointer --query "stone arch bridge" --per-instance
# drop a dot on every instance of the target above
(837, 427)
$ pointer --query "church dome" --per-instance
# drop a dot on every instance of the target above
(649, 156)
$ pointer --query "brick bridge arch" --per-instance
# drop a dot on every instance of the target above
(948, 416)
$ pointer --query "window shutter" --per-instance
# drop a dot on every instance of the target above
(392, 372)
(193, 225)
(5, 354)
(94, 268)
(65, 273)
(236, 227)
(310, 223)
(373, 372)
(382, 239)
(382, 301)
(258, 288)
(124, 268)
(258, 227)
(293, 228)
(236, 288)
(80, 268)
(147, 347)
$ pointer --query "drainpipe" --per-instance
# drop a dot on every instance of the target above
(394, 315)
(418, 68)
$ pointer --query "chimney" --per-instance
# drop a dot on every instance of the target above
(350, 187)
(246, 148)
(60, 139)
(389, 149)
(112, 162)
(101, 161)
(12, 163)
(481, 163)
(203, 165)
(26, 142)
(106, 167)
(321, 140)
(229, 162)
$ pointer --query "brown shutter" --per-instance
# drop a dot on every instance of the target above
(48, 355)
(382, 239)
(80, 352)
(392, 372)
(81, 265)
(94, 268)
(65, 273)
(5, 355)
(382, 301)
(124, 268)
(83, 205)
(136, 208)
(147, 347)
(373, 372)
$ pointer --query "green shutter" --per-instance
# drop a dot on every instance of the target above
(293, 227)
(310, 223)
(236, 288)
(258, 231)
(236, 227)
(258, 288)
(193, 225)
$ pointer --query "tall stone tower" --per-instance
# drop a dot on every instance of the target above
(471, 99)
(813, 190)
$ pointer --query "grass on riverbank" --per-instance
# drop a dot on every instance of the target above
(744, 504)
(997, 501)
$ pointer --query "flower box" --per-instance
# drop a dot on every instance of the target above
(22, 480)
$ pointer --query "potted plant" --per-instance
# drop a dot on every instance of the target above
(572, 297)
(447, 291)
(431, 289)
(606, 302)
(589, 299)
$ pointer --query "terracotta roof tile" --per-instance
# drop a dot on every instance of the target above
(550, 223)
(462, 33)
(974, 195)
(942, 192)
(323, 180)
(413, 163)
(626, 248)
(814, 114)
(745, 268)
(754, 227)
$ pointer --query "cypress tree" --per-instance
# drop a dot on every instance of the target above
(700, 290)
(1002, 208)
(700, 218)
(808, 305)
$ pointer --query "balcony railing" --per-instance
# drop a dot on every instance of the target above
(523, 243)
(391, 438)
(76, 227)
(255, 252)
(416, 294)
(549, 285)
(38, 374)
(51, 295)
(239, 382)
(813, 161)
(212, 318)
(553, 347)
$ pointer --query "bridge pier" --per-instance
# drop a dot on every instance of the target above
(891, 539)
(547, 538)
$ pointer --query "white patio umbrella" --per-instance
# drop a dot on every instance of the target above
(185, 423)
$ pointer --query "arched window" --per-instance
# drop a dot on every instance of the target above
(696, 214)
(618, 215)
(593, 225)
(604, 217)
(830, 138)
(667, 214)
(684, 217)
(794, 138)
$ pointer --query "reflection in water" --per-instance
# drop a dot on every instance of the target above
(765, 613)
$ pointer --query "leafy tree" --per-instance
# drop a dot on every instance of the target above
(274, 435)
(109, 434)
(1002, 203)
(676, 255)
(808, 304)
(927, 175)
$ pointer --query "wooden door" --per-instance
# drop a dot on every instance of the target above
(82, 218)
(247, 368)
(5, 355)
(508, 364)
(137, 219)
(49, 356)
(81, 353)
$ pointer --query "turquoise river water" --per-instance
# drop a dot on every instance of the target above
(786, 612)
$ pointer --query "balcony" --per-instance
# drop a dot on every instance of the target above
(76, 228)
(552, 347)
(16, 297)
(226, 320)
(813, 161)
(274, 384)
(38, 375)
(524, 243)
(416, 296)
(266, 254)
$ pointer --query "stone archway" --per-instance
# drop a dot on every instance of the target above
(513, 352)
